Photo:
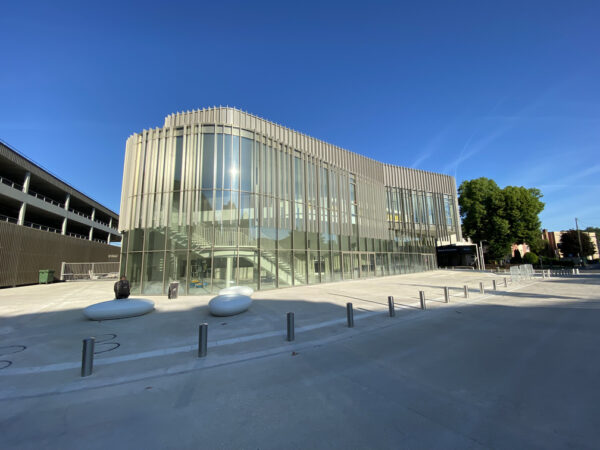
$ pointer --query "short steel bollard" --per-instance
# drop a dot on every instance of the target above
(202, 340)
(350, 315)
(422, 296)
(466, 291)
(494, 285)
(447, 294)
(391, 307)
(481, 290)
(87, 357)
(505, 282)
(290, 326)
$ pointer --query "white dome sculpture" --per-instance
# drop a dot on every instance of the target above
(119, 309)
(229, 304)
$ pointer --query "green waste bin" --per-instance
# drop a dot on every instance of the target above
(46, 276)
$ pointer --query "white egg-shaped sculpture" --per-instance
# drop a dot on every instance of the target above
(119, 309)
(241, 290)
(229, 305)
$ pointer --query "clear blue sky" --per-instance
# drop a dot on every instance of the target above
(505, 90)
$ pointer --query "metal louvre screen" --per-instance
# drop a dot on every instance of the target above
(89, 271)
(522, 272)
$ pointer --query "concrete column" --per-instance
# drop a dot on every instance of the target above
(229, 271)
(64, 227)
(67, 202)
(93, 216)
(26, 182)
(21, 219)
(109, 226)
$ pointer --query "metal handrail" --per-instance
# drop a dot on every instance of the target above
(79, 213)
(79, 236)
(41, 227)
(11, 183)
(46, 199)
(8, 219)
(42, 197)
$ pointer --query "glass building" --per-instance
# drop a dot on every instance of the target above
(219, 197)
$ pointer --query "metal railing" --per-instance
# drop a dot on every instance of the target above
(37, 226)
(75, 235)
(74, 211)
(46, 199)
(42, 197)
(89, 271)
(4, 218)
(11, 183)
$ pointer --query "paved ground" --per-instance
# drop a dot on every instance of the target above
(512, 368)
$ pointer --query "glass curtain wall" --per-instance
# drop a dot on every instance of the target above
(238, 208)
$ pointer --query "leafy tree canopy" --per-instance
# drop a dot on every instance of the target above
(595, 230)
(500, 216)
(530, 258)
(569, 244)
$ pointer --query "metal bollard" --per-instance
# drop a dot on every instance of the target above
(350, 315)
(481, 290)
(391, 306)
(494, 285)
(422, 296)
(505, 282)
(466, 291)
(447, 294)
(202, 340)
(87, 357)
(290, 326)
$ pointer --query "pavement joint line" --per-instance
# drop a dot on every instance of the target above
(217, 343)
(79, 384)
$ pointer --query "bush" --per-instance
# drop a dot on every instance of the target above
(553, 262)
(530, 258)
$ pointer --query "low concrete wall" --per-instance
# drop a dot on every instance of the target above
(24, 251)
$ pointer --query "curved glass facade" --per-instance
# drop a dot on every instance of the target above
(217, 198)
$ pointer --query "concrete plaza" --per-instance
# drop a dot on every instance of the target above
(509, 368)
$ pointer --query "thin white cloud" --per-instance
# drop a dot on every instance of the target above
(506, 124)
(571, 181)
(432, 146)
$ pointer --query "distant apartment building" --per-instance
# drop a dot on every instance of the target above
(553, 238)
(521, 248)
(44, 221)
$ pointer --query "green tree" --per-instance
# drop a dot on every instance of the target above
(547, 251)
(482, 211)
(530, 258)
(596, 231)
(500, 216)
(522, 208)
(569, 244)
